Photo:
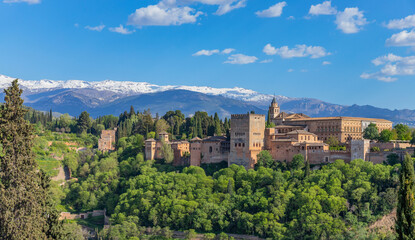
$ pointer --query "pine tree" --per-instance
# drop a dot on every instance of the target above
(405, 221)
(84, 122)
(23, 193)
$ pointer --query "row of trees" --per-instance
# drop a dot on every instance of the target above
(399, 132)
(174, 122)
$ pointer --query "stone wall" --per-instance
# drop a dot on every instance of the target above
(247, 139)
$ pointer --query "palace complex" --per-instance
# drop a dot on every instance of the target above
(294, 133)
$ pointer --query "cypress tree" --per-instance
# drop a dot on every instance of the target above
(405, 221)
(307, 169)
(195, 128)
(132, 111)
(268, 119)
(199, 128)
(218, 127)
(24, 208)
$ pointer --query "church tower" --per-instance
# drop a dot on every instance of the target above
(274, 109)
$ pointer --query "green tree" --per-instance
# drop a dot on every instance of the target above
(24, 200)
(333, 141)
(307, 170)
(297, 162)
(413, 138)
(218, 126)
(386, 135)
(371, 132)
(84, 122)
(167, 152)
(264, 159)
(269, 124)
(405, 221)
(403, 132)
(161, 126)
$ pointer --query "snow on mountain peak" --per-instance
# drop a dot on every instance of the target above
(136, 88)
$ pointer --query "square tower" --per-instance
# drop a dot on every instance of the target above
(247, 139)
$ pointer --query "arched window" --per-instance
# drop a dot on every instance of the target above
(210, 149)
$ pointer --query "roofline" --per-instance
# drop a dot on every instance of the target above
(341, 118)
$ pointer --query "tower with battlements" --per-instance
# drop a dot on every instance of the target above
(247, 139)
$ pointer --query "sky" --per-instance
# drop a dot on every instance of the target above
(345, 52)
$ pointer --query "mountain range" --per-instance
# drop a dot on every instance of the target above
(114, 97)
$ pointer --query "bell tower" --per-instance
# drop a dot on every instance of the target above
(274, 109)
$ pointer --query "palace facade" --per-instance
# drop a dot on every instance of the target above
(293, 134)
(344, 129)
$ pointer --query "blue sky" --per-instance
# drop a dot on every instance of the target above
(346, 52)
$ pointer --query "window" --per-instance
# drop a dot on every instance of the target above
(210, 149)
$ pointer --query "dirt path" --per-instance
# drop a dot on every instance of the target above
(63, 174)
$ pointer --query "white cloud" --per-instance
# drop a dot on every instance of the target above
(291, 18)
(241, 59)
(350, 20)
(158, 15)
(121, 29)
(269, 49)
(20, 1)
(224, 6)
(227, 7)
(290, 70)
(206, 52)
(392, 66)
(402, 39)
(96, 28)
(228, 51)
(407, 22)
(324, 8)
(326, 63)
(273, 11)
(266, 61)
(298, 51)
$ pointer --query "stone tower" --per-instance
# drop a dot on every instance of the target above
(247, 139)
(274, 109)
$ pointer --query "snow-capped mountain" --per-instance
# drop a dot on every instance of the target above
(137, 88)
(114, 97)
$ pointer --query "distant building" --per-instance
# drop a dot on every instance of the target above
(180, 148)
(209, 150)
(344, 129)
(107, 141)
(247, 139)
(294, 133)
(284, 146)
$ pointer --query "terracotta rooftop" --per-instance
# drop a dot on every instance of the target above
(151, 140)
(341, 118)
(195, 139)
(301, 132)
